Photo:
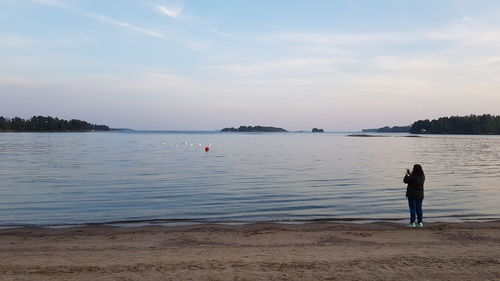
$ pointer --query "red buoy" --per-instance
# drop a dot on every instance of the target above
(207, 148)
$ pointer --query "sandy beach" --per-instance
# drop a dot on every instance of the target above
(314, 251)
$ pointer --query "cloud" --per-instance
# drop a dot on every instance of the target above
(129, 26)
(280, 66)
(170, 11)
(453, 48)
(59, 4)
(223, 34)
(467, 31)
(413, 63)
(464, 31)
(487, 61)
(175, 13)
(335, 39)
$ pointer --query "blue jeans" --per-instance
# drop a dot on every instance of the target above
(415, 209)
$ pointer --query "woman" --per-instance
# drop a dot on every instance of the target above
(415, 193)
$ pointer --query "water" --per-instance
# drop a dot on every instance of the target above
(151, 177)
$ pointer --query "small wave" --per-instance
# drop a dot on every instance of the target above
(186, 221)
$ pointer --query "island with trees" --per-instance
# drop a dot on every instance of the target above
(316, 130)
(254, 129)
(485, 124)
(47, 124)
(387, 129)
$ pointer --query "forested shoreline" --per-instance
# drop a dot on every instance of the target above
(485, 124)
(47, 124)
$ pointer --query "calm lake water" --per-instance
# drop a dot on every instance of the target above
(161, 177)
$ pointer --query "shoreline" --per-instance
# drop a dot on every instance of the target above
(258, 251)
(241, 225)
(465, 218)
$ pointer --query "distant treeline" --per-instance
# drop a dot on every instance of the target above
(47, 124)
(485, 124)
(387, 129)
(254, 129)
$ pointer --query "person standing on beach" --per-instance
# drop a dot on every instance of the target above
(415, 193)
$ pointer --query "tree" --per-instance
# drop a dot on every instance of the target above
(18, 124)
(3, 123)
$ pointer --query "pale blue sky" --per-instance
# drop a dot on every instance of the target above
(205, 65)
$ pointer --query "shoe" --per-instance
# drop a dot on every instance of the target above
(411, 225)
(420, 224)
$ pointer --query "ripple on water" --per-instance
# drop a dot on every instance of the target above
(73, 178)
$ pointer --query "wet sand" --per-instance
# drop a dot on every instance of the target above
(315, 251)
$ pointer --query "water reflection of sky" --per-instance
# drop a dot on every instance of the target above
(97, 177)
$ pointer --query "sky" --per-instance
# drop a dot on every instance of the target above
(206, 65)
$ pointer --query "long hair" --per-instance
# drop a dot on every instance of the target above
(417, 170)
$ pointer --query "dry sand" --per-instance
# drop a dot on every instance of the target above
(316, 251)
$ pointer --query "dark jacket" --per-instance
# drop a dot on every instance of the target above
(415, 189)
